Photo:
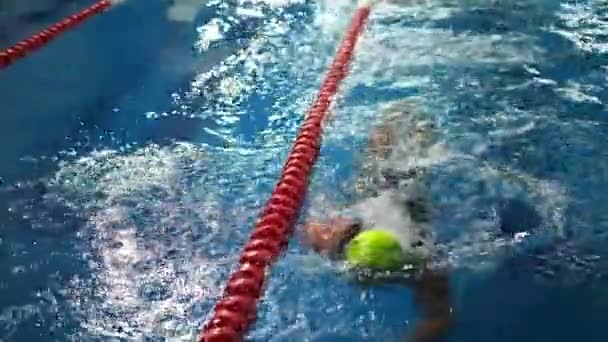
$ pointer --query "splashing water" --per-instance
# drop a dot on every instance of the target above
(158, 227)
(158, 233)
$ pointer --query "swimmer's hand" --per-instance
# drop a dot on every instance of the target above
(328, 238)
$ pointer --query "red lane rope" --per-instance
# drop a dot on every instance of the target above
(236, 310)
(35, 42)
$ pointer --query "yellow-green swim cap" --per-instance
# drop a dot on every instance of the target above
(375, 249)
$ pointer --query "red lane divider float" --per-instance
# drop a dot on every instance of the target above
(35, 42)
(236, 310)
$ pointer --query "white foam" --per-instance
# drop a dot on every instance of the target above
(211, 32)
(577, 92)
(584, 23)
(154, 239)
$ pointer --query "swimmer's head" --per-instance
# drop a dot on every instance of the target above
(378, 250)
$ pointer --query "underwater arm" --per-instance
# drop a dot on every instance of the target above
(432, 294)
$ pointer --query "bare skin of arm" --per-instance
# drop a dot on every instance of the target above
(328, 238)
(431, 289)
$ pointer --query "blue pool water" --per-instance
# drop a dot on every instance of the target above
(137, 150)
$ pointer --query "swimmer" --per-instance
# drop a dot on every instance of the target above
(386, 235)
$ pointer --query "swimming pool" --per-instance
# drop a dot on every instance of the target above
(129, 227)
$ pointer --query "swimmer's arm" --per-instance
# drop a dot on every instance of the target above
(329, 238)
(379, 146)
(432, 294)
(382, 139)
